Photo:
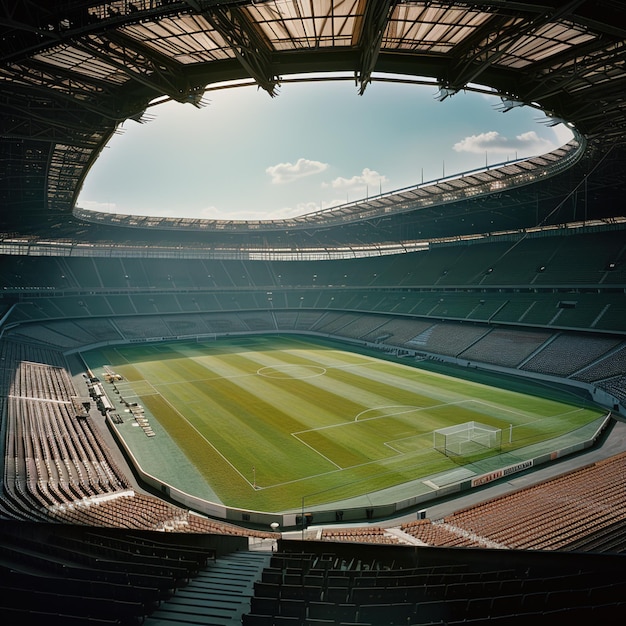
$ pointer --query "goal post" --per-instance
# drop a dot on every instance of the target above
(467, 439)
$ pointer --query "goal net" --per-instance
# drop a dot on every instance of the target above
(468, 439)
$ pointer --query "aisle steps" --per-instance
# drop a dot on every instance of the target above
(218, 596)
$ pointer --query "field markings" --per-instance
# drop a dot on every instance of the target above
(495, 406)
(316, 451)
(404, 410)
(408, 409)
(307, 371)
(260, 373)
(274, 485)
(496, 410)
(389, 443)
(522, 414)
(210, 444)
(414, 454)
(123, 388)
(121, 354)
(186, 381)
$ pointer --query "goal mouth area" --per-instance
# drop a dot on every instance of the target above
(469, 440)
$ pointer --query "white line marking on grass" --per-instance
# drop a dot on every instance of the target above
(500, 407)
(210, 444)
(523, 414)
(124, 388)
(186, 381)
(578, 410)
(413, 454)
(537, 421)
(346, 366)
(150, 385)
(428, 435)
(408, 409)
(316, 451)
(377, 417)
(310, 371)
(398, 452)
(405, 408)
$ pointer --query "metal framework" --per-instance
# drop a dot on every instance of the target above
(470, 185)
(72, 71)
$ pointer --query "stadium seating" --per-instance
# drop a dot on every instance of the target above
(505, 347)
(553, 515)
(567, 354)
(508, 281)
(56, 573)
(591, 258)
(442, 303)
(58, 467)
(119, 576)
(319, 586)
(611, 365)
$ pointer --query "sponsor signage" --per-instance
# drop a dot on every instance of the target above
(501, 473)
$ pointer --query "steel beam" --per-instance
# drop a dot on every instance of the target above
(250, 47)
(375, 20)
(474, 60)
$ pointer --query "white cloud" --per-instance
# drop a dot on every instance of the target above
(102, 207)
(286, 172)
(334, 202)
(493, 142)
(302, 208)
(283, 213)
(367, 178)
(310, 207)
(212, 213)
(215, 213)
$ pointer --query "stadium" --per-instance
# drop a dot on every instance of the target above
(469, 333)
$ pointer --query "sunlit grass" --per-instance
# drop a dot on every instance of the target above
(267, 421)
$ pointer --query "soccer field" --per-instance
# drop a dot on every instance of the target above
(270, 420)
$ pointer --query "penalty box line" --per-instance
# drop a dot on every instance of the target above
(207, 441)
(152, 391)
(524, 415)
(314, 450)
(403, 410)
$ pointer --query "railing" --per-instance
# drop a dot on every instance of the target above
(470, 184)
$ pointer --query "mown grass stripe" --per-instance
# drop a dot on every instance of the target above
(228, 418)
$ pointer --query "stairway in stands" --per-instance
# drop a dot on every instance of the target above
(217, 596)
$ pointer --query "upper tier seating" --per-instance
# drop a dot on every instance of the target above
(569, 353)
(594, 258)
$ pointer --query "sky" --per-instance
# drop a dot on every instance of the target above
(246, 155)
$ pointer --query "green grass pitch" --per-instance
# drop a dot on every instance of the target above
(268, 420)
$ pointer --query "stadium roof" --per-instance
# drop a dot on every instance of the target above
(72, 73)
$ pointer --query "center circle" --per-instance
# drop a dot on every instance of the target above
(284, 372)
